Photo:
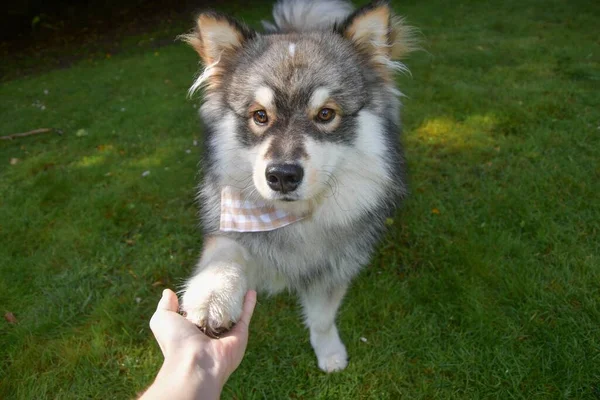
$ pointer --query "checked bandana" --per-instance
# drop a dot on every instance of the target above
(239, 215)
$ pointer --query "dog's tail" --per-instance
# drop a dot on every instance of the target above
(304, 15)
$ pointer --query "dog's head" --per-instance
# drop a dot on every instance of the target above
(291, 112)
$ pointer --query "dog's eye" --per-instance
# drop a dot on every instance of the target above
(260, 117)
(325, 115)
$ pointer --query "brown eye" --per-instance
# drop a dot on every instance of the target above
(260, 117)
(325, 115)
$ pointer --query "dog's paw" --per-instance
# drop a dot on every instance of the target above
(330, 351)
(213, 300)
(336, 359)
(334, 362)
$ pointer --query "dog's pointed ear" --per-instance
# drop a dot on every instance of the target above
(376, 30)
(370, 26)
(216, 34)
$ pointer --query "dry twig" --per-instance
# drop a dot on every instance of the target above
(30, 133)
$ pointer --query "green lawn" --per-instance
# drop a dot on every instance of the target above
(487, 286)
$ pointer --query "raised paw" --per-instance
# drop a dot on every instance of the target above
(213, 300)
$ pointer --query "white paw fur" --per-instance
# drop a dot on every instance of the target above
(213, 299)
(331, 352)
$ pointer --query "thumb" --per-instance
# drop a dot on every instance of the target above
(168, 301)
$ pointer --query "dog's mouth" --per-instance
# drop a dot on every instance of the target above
(288, 198)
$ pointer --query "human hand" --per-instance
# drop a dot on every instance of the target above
(193, 357)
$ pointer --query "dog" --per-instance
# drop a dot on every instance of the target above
(303, 163)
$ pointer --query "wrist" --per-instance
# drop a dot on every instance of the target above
(182, 377)
(190, 372)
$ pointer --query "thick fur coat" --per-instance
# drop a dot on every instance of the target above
(316, 93)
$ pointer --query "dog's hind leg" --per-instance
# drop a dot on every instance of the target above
(214, 296)
(320, 309)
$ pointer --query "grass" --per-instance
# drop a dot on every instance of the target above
(487, 285)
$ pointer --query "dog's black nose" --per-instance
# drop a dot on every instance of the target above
(284, 178)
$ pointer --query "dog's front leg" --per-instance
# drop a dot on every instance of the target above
(214, 296)
(320, 308)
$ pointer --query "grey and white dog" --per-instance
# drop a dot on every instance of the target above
(304, 118)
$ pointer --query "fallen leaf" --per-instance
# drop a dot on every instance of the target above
(81, 132)
(389, 221)
(130, 242)
(10, 318)
(14, 161)
(435, 211)
(157, 283)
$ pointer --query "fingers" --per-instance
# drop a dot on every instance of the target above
(168, 301)
(249, 304)
(248, 310)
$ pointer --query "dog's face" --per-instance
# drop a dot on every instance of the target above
(291, 110)
(299, 97)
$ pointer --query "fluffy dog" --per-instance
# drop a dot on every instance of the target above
(303, 163)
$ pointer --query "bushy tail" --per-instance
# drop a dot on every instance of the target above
(305, 15)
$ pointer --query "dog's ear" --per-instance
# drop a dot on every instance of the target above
(375, 30)
(217, 34)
